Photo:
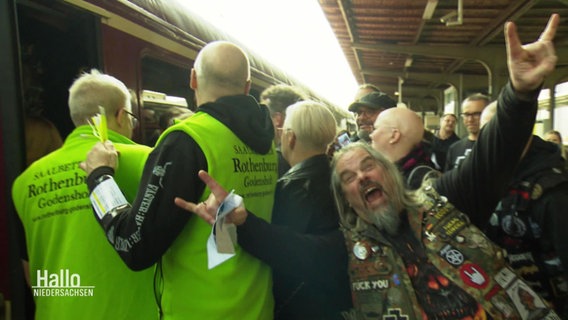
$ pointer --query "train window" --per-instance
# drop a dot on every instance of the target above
(560, 121)
(167, 78)
(165, 92)
(545, 120)
(561, 111)
(161, 111)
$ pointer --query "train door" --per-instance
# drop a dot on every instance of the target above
(46, 45)
(57, 42)
(11, 158)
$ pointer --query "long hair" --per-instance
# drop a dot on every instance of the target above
(400, 197)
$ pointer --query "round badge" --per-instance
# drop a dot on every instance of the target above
(513, 226)
(454, 257)
(361, 250)
(536, 192)
(460, 239)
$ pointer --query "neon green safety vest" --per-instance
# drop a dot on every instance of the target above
(75, 273)
(241, 287)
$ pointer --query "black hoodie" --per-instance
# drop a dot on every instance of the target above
(173, 166)
(541, 156)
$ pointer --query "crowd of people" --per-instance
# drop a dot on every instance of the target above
(264, 210)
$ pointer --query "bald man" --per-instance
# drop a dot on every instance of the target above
(231, 137)
(488, 113)
(398, 136)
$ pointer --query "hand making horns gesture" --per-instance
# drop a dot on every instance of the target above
(529, 64)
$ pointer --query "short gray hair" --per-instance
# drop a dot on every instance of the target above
(93, 89)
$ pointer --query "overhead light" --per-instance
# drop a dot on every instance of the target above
(408, 62)
(446, 18)
(454, 18)
(429, 10)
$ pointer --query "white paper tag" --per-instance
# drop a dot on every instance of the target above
(223, 237)
(215, 258)
(107, 196)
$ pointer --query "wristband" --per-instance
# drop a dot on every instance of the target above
(107, 198)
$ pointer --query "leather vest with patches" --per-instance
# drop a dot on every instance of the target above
(382, 288)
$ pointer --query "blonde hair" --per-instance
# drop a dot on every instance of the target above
(312, 123)
(94, 89)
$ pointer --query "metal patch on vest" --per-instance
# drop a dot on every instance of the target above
(396, 279)
(362, 250)
(528, 303)
(523, 258)
(501, 304)
(452, 255)
(430, 236)
(440, 213)
(474, 276)
(504, 277)
(395, 314)
(452, 227)
(365, 285)
(513, 226)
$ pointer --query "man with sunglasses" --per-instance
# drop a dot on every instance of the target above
(366, 110)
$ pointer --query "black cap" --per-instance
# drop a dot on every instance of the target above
(373, 100)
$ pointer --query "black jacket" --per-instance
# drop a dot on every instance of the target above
(480, 182)
(538, 200)
(415, 165)
(303, 245)
(457, 152)
(440, 149)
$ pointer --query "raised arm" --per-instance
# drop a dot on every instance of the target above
(476, 187)
(530, 64)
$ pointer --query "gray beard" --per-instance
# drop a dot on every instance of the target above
(386, 219)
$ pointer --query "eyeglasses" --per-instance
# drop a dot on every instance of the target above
(368, 113)
(133, 119)
(472, 114)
